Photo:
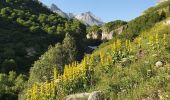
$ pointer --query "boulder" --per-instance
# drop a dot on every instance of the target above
(96, 95)
(79, 96)
(159, 64)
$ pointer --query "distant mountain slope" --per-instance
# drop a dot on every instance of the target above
(57, 10)
(87, 18)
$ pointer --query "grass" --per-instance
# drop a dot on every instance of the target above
(139, 78)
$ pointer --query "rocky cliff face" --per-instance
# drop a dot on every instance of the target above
(104, 34)
(94, 35)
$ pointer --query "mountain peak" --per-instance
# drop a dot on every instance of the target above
(87, 18)
(57, 10)
(54, 7)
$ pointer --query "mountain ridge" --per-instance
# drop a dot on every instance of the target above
(88, 18)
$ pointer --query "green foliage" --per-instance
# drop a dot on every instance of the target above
(69, 45)
(94, 28)
(139, 77)
(158, 7)
(8, 65)
(11, 85)
(57, 57)
(28, 28)
(114, 25)
(54, 57)
(140, 24)
(147, 20)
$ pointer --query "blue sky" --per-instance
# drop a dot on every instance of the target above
(107, 10)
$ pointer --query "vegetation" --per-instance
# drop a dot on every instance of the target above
(11, 85)
(120, 70)
(113, 25)
(28, 28)
(94, 28)
(146, 21)
(55, 57)
(133, 65)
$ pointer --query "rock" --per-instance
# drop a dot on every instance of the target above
(107, 35)
(96, 95)
(167, 22)
(94, 35)
(159, 64)
(79, 96)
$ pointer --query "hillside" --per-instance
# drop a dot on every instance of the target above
(26, 33)
(133, 65)
(134, 70)
(42, 55)
(27, 30)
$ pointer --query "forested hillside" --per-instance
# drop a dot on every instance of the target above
(27, 30)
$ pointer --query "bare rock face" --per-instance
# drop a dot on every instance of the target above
(106, 35)
(109, 35)
(96, 95)
(94, 35)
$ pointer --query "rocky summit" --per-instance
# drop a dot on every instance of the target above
(88, 18)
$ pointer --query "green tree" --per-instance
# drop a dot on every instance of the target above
(42, 69)
(70, 48)
(8, 65)
(11, 85)
(6, 11)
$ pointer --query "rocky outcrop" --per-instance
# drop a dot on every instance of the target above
(80, 96)
(94, 35)
(96, 95)
(104, 34)
(107, 35)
